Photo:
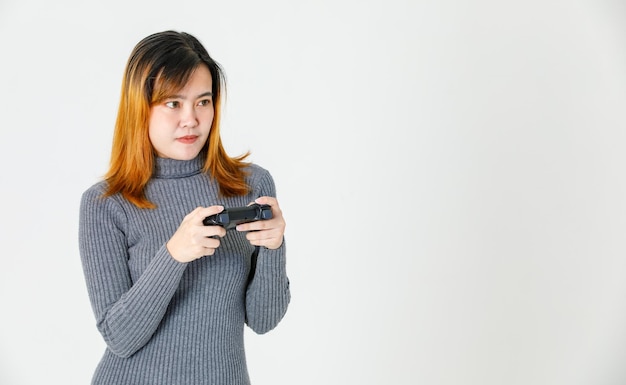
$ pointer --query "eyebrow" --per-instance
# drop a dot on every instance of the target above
(202, 95)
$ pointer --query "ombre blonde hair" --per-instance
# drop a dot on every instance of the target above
(159, 65)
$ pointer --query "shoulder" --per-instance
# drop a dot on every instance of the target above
(260, 180)
(94, 202)
(94, 192)
(96, 188)
(255, 170)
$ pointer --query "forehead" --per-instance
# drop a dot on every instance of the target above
(168, 82)
(200, 78)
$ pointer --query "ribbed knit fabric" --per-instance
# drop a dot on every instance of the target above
(166, 322)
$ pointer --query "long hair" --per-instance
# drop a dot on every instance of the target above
(159, 65)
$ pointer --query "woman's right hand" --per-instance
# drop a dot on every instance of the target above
(192, 239)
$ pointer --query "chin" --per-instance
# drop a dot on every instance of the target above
(180, 155)
(187, 155)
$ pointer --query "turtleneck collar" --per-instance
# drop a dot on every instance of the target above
(166, 168)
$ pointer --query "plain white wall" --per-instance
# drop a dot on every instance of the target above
(452, 174)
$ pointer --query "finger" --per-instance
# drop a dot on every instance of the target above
(277, 221)
(200, 214)
(264, 234)
(268, 240)
(273, 203)
(204, 212)
(210, 243)
(212, 231)
(208, 252)
(256, 225)
(267, 200)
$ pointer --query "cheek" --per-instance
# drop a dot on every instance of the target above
(158, 130)
(160, 122)
(208, 115)
(153, 130)
(152, 135)
(206, 120)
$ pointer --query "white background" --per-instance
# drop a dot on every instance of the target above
(452, 174)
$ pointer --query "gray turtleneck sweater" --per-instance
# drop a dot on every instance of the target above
(166, 322)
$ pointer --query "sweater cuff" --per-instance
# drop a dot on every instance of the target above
(272, 260)
(164, 262)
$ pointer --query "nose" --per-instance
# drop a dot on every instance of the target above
(188, 117)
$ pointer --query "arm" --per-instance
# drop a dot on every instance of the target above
(268, 294)
(127, 312)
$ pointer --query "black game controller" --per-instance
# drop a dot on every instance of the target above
(229, 218)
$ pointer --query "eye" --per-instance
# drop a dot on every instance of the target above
(204, 102)
(172, 104)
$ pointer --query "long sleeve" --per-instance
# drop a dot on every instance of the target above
(268, 294)
(127, 312)
(166, 322)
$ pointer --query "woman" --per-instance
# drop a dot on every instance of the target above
(170, 295)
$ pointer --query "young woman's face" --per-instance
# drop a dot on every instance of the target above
(180, 125)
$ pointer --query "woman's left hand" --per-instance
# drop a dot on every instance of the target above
(268, 233)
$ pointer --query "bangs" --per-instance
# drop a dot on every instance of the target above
(171, 79)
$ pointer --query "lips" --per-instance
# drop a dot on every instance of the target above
(188, 139)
